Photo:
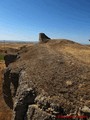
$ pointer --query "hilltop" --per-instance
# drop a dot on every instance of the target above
(47, 79)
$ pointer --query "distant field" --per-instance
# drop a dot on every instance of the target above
(13, 45)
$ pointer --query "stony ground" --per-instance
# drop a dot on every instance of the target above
(49, 79)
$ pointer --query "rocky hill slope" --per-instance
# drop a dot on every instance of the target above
(47, 79)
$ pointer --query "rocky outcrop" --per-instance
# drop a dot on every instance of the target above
(10, 85)
(35, 113)
(43, 38)
(9, 58)
(45, 81)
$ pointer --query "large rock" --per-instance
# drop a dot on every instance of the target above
(43, 38)
(35, 113)
(86, 111)
(9, 58)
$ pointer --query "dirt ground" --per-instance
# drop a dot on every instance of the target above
(12, 45)
(61, 68)
(5, 112)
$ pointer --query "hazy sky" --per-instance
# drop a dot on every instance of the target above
(24, 19)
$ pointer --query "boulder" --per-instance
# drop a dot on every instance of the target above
(43, 38)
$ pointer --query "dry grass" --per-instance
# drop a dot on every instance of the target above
(81, 54)
(13, 45)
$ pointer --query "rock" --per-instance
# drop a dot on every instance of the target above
(10, 86)
(69, 83)
(43, 38)
(9, 58)
(6, 88)
(86, 112)
(35, 113)
(85, 109)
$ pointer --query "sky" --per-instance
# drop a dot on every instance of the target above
(25, 19)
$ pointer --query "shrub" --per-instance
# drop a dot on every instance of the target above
(1, 57)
